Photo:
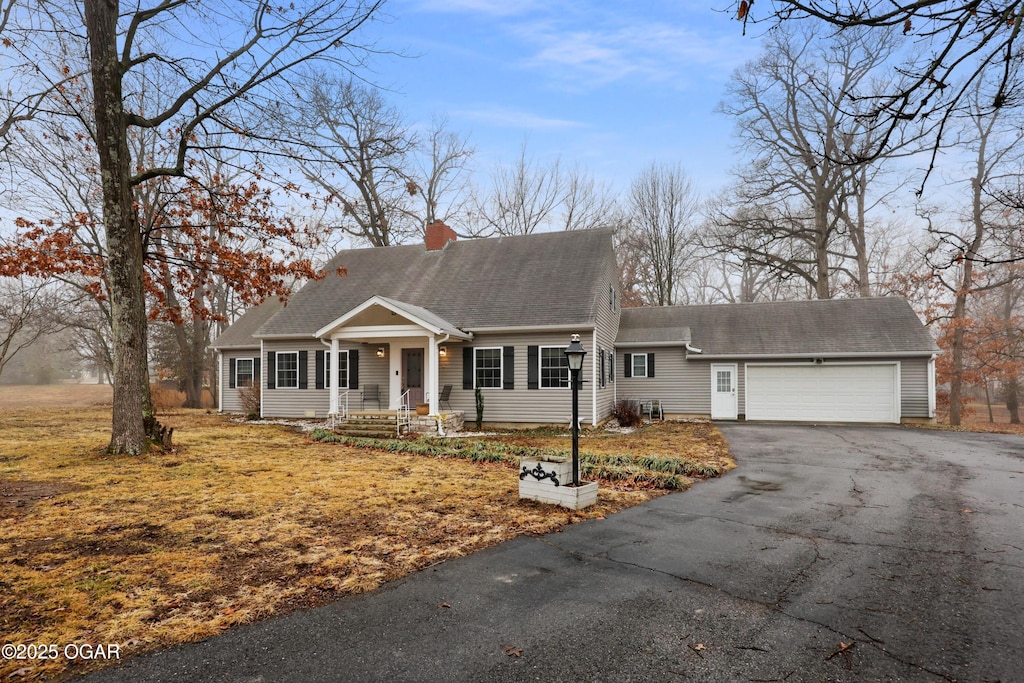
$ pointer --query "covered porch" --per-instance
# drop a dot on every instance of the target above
(409, 339)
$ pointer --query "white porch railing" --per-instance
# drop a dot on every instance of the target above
(402, 418)
(337, 418)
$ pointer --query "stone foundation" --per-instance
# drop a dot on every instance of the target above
(451, 421)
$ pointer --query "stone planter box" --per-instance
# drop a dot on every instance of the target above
(551, 482)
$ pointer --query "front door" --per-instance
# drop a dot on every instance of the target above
(412, 374)
(723, 392)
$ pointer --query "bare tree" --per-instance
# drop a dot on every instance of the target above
(663, 210)
(523, 197)
(29, 310)
(441, 174)
(960, 44)
(356, 147)
(586, 203)
(797, 113)
(218, 78)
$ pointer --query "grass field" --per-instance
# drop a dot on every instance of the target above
(241, 522)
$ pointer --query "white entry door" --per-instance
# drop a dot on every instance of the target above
(723, 392)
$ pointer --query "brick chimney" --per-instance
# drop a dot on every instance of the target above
(438, 236)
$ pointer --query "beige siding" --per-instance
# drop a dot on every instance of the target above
(914, 387)
(296, 402)
(683, 386)
(230, 400)
(605, 333)
(519, 404)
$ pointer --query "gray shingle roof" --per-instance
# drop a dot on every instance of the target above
(239, 335)
(532, 280)
(836, 326)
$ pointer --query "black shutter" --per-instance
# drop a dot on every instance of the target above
(650, 365)
(353, 369)
(303, 370)
(271, 370)
(231, 374)
(629, 365)
(256, 372)
(508, 367)
(533, 367)
(320, 369)
(467, 367)
(601, 370)
(611, 365)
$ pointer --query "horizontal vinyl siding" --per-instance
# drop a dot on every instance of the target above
(606, 331)
(372, 370)
(295, 402)
(683, 386)
(914, 387)
(519, 404)
(230, 400)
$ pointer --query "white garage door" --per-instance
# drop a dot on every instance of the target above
(823, 393)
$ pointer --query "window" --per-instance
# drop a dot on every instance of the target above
(244, 374)
(601, 370)
(639, 365)
(611, 365)
(611, 298)
(488, 368)
(724, 381)
(554, 367)
(288, 370)
(342, 369)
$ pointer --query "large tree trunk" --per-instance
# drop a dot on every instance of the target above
(124, 241)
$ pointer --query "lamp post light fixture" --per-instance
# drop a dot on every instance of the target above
(574, 354)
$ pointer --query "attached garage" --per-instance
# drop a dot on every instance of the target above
(823, 392)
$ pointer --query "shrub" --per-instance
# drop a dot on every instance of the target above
(628, 413)
(250, 398)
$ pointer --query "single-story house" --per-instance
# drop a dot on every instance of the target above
(432, 323)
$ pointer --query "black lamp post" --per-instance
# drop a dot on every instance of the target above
(574, 353)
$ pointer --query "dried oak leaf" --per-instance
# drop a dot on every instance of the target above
(512, 650)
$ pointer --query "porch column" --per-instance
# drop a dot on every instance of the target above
(433, 369)
(332, 377)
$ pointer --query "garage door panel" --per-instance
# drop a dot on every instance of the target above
(828, 393)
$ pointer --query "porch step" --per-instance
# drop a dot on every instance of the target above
(375, 424)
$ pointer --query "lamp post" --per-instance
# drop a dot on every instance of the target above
(574, 353)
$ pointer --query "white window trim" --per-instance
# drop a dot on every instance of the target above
(327, 369)
(540, 368)
(277, 369)
(252, 371)
(632, 362)
(501, 366)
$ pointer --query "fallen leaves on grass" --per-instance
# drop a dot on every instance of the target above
(243, 522)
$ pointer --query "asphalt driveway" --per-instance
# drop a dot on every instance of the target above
(831, 553)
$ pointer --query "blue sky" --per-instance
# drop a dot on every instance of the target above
(611, 86)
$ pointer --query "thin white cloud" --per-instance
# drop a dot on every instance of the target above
(513, 118)
(652, 51)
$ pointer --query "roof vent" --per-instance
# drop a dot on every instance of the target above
(438, 236)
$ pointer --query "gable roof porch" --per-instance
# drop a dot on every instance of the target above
(400, 325)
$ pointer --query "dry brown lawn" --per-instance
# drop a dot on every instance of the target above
(242, 522)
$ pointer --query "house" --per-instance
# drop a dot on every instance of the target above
(496, 314)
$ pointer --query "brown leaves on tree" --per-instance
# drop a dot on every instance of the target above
(744, 8)
(907, 26)
(198, 237)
